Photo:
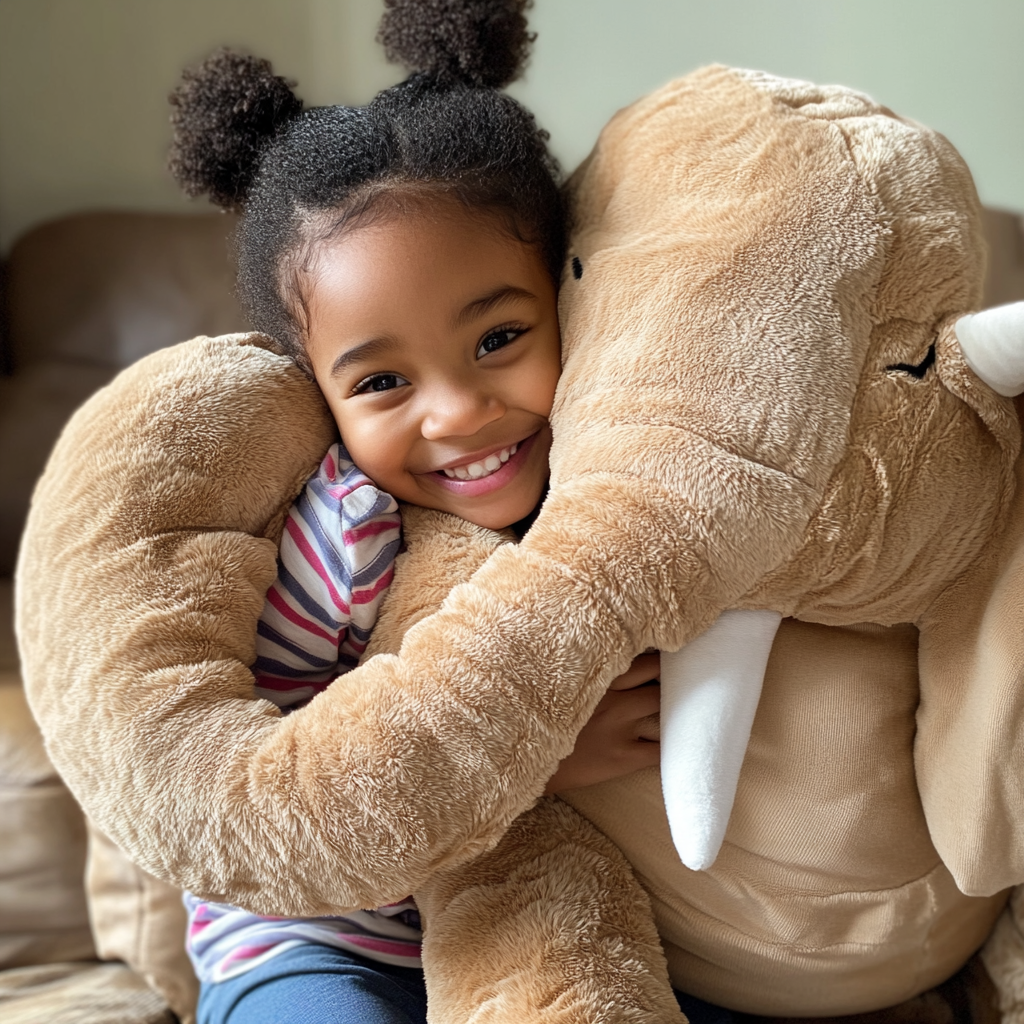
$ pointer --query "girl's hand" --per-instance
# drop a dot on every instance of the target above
(621, 736)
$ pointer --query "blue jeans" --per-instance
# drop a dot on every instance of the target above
(314, 984)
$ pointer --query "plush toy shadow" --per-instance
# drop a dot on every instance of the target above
(770, 403)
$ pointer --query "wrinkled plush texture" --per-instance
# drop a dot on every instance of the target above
(552, 924)
(756, 255)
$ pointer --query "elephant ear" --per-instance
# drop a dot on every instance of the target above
(969, 751)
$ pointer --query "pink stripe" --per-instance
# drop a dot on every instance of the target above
(341, 491)
(247, 952)
(313, 559)
(367, 595)
(275, 598)
(383, 945)
(197, 926)
(279, 685)
(370, 529)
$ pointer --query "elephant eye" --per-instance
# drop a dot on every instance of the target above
(920, 369)
(577, 268)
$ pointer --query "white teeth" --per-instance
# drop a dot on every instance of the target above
(475, 470)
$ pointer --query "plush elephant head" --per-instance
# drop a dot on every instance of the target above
(761, 344)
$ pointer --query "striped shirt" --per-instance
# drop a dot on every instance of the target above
(335, 564)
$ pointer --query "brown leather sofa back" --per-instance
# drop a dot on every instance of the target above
(86, 296)
(109, 288)
(1004, 278)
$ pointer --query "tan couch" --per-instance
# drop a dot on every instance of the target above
(86, 296)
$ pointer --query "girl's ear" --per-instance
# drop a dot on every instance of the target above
(969, 751)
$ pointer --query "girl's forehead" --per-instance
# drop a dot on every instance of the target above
(447, 252)
(428, 220)
(439, 273)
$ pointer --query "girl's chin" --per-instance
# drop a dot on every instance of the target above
(499, 517)
(493, 510)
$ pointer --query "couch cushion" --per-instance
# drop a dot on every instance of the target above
(1004, 278)
(8, 654)
(86, 296)
(142, 921)
(79, 994)
(43, 916)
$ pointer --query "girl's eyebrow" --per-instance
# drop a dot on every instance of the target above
(487, 302)
(363, 351)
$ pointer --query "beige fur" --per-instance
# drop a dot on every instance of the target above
(555, 903)
(755, 254)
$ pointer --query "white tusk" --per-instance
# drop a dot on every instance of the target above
(992, 342)
(709, 695)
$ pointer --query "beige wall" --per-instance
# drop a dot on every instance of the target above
(956, 65)
(83, 83)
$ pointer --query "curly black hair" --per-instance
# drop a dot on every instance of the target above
(299, 176)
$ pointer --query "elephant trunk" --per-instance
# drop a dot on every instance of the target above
(715, 337)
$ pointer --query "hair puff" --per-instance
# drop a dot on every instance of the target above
(482, 43)
(224, 113)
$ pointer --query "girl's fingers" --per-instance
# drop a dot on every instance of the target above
(618, 738)
(629, 705)
(645, 755)
(643, 670)
(649, 729)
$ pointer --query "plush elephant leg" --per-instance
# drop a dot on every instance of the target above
(549, 926)
(1003, 957)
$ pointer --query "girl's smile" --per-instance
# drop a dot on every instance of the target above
(488, 472)
(433, 335)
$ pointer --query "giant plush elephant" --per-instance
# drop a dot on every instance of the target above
(765, 407)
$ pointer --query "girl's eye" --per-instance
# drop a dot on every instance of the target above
(496, 339)
(379, 382)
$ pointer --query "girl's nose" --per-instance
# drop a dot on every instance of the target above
(460, 412)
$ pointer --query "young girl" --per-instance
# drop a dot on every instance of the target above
(407, 255)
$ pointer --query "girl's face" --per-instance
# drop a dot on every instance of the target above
(434, 338)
